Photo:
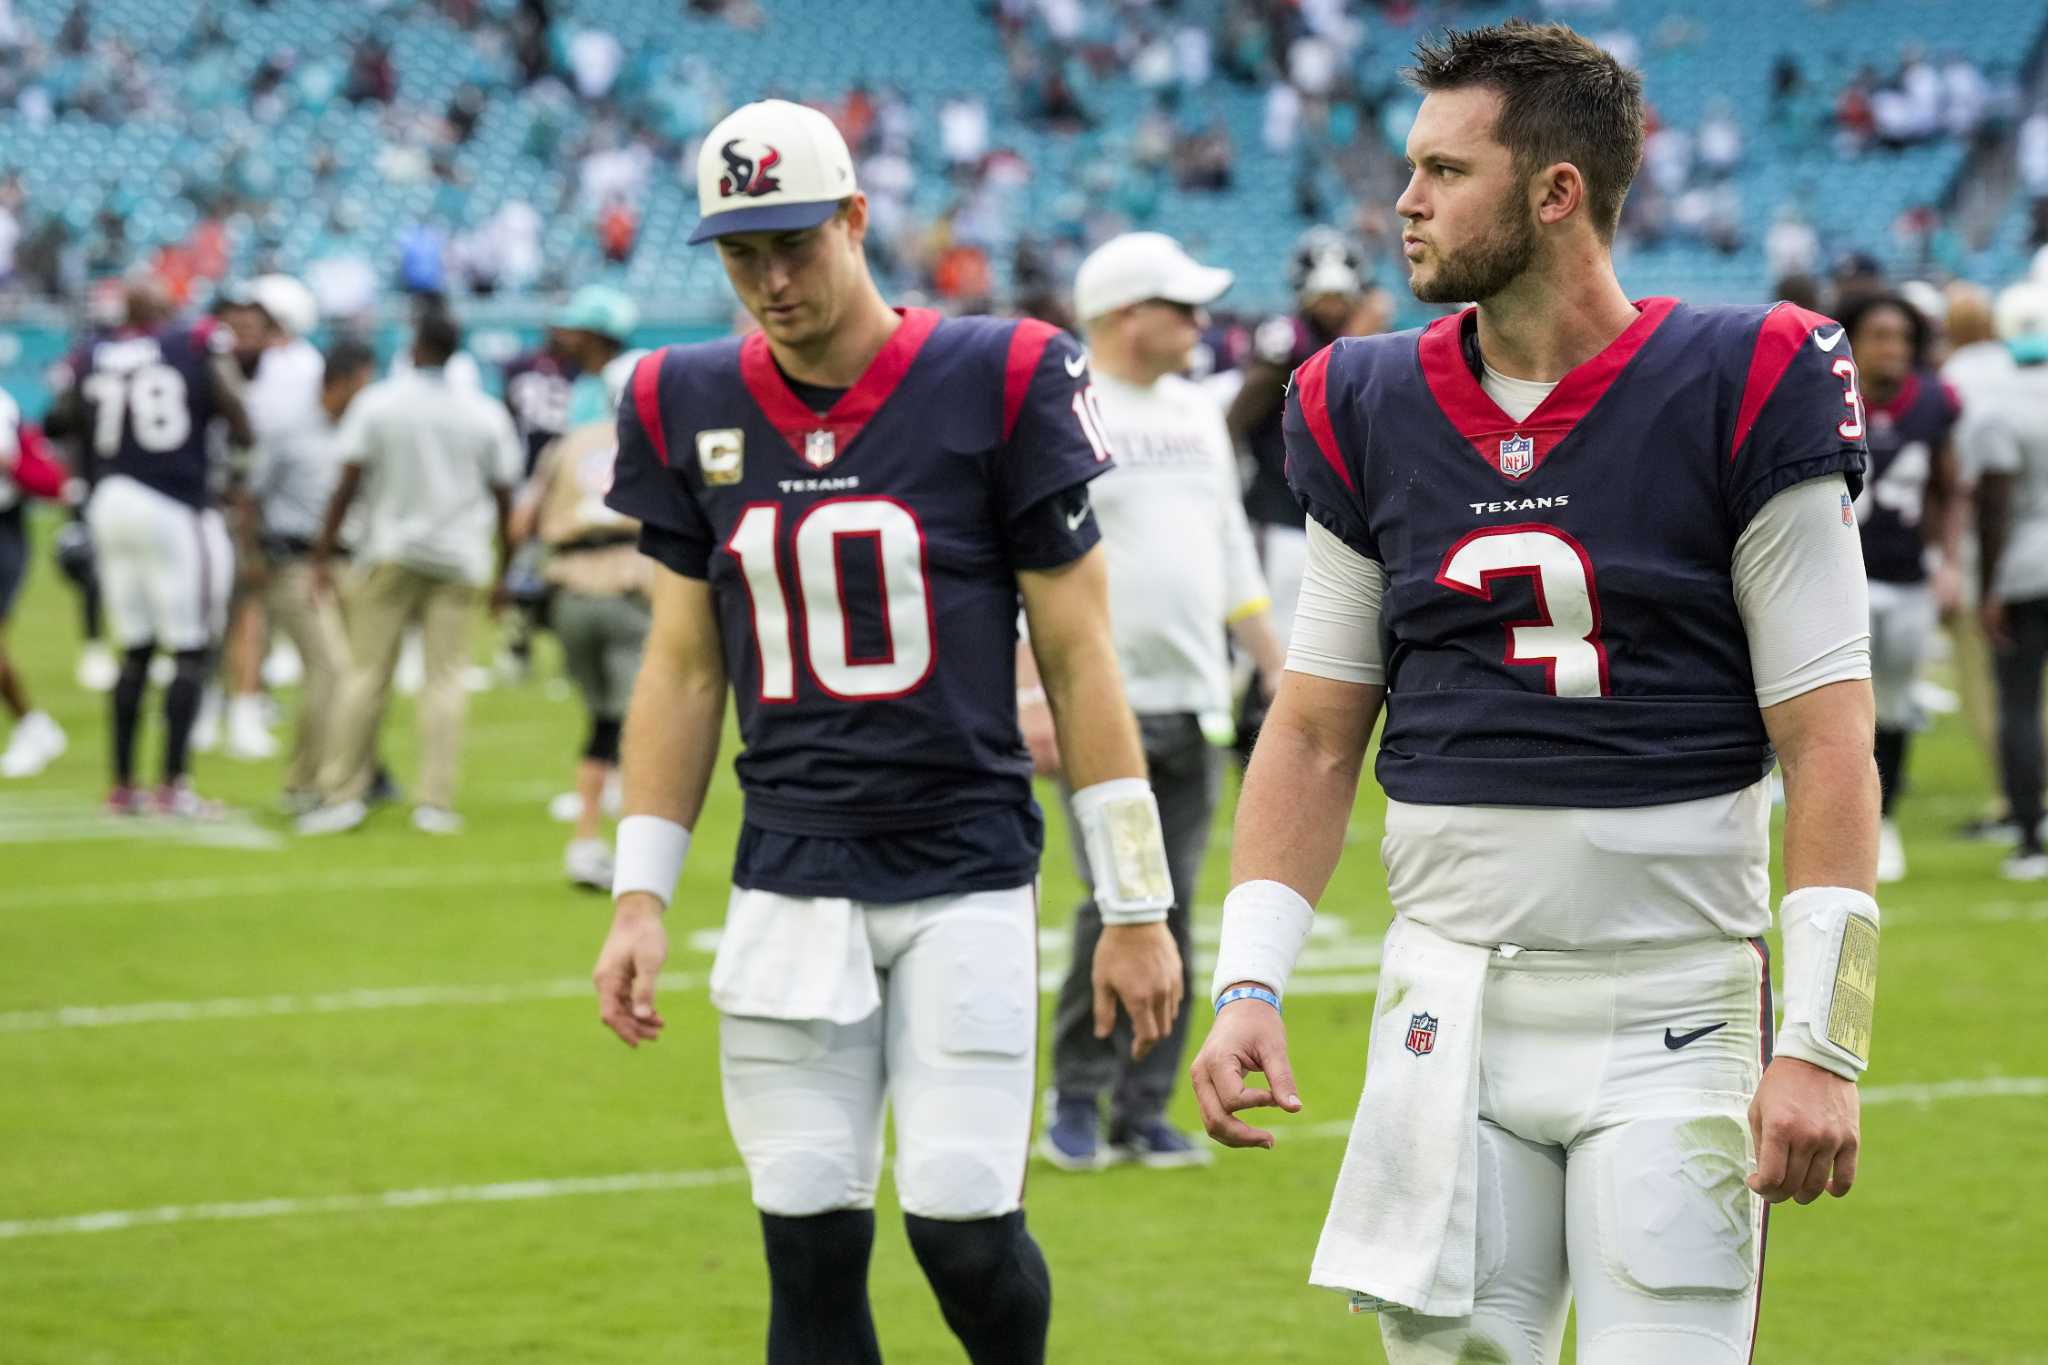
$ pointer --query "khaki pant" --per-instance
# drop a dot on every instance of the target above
(313, 625)
(381, 604)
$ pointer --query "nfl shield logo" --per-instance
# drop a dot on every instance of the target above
(820, 449)
(1421, 1034)
(1517, 456)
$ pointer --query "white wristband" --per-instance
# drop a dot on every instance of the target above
(1830, 977)
(1264, 926)
(1119, 822)
(649, 857)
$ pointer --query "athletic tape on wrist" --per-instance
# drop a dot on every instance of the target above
(1830, 977)
(1264, 925)
(649, 857)
(1119, 822)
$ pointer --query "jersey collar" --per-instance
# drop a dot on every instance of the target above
(1514, 448)
(855, 408)
(1902, 401)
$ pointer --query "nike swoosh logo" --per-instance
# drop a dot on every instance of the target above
(1076, 365)
(1075, 518)
(1675, 1041)
(1829, 343)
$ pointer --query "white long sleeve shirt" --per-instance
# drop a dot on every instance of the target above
(1181, 563)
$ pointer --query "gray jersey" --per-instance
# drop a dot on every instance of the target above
(2004, 430)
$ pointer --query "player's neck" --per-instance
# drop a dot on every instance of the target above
(1549, 322)
(1111, 363)
(838, 359)
(1878, 393)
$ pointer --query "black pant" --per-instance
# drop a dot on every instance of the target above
(2017, 668)
(1187, 777)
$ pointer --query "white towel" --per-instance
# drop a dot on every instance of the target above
(1400, 1228)
(794, 957)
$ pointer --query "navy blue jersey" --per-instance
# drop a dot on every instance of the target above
(1286, 342)
(1907, 435)
(537, 388)
(863, 564)
(149, 399)
(1559, 624)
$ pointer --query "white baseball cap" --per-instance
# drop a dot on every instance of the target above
(290, 304)
(1139, 266)
(770, 166)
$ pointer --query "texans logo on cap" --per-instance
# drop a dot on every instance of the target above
(748, 175)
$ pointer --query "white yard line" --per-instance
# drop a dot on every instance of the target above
(633, 1182)
(334, 1002)
(169, 889)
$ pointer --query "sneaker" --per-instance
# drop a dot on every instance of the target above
(335, 819)
(177, 801)
(436, 820)
(98, 669)
(126, 801)
(1891, 854)
(297, 803)
(249, 735)
(35, 744)
(283, 667)
(1156, 1143)
(565, 808)
(206, 729)
(588, 863)
(1072, 1141)
(1989, 829)
(2026, 867)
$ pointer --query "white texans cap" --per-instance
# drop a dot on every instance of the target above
(770, 166)
(1139, 266)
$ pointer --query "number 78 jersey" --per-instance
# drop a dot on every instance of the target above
(863, 563)
(1559, 624)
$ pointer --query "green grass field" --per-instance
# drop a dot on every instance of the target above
(350, 1102)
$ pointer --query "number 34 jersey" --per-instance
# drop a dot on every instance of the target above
(1559, 625)
(863, 566)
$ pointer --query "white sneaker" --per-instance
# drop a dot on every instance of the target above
(588, 862)
(98, 669)
(206, 729)
(2026, 867)
(162, 668)
(436, 820)
(249, 736)
(35, 744)
(283, 667)
(565, 808)
(410, 674)
(335, 819)
(1891, 854)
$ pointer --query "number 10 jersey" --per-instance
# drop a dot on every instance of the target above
(863, 565)
(1559, 624)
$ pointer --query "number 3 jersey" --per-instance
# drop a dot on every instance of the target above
(1573, 747)
(863, 565)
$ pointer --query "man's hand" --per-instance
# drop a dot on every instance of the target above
(1991, 617)
(1034, 718)
(323, 576)
(1804, 1123)
(1948, 590)
(1137, 966)
(628, 967)
(1248, 1036)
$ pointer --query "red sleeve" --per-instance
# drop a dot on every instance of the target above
(35, 472)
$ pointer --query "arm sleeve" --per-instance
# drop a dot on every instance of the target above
(1052, 441)
(673, 528)
(1337, 617)
(1800, 588)
(1801, 414)
(1243, 582)
(1320, 470)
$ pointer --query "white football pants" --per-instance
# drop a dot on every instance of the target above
(1614, 1091)
(1903, 618)
(954, 1048)
(165, 569)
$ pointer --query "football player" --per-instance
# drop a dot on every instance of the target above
(1335, 299)
(1909, 505)
(26, 471)
(845, 508)
(1594, 559)
(150, 393)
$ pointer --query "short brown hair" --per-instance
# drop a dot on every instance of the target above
(1563, 98)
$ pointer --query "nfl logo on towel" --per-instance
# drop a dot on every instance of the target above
(1517, 456)
(1421, 1034)
(820, 449)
